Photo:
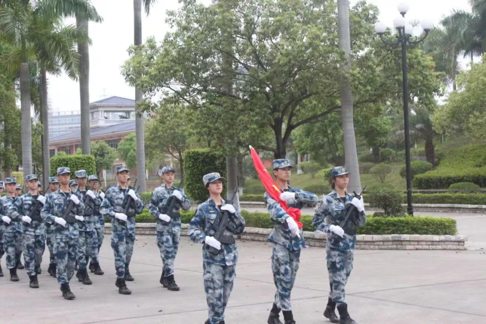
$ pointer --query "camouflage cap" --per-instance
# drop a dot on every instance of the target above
(10, 180)
(93, 177)
(281, 163)
(53, 180)
(31, 177)
(1, 184)
(165, 170)
(63, 170)
(121, 169)
(338, 171)
(72, 183)
(18, 187)
(211, 177)
(80, 174)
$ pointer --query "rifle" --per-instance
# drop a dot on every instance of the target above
(129, 204)
(219, 226)
(67, 215)
(88, 205)
(35, 212)
(171, 209)
(351, 214)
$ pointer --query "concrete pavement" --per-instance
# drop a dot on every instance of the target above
(393, 287)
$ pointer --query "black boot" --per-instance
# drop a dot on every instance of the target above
(163, 280)
(344, 315)
(66, 292)
(1, 271)
(128, 276)
(90, 267)
(97, 270)
(33, 282)
(330, 311)
(79, 275)
(13, 275)
(50, 270)
(274, 317)
(54, 270)
(38, 270)
(122, 287)
(171, 284)
(288, 317)
(83, 277)
(19, 263)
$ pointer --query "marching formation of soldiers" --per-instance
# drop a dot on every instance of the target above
(70, 221)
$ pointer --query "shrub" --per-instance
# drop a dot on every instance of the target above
(388, 200)
(197, 163)
(253, 187)
(418, 167)
(379, 187)
(74, 162)
(310, 167)
(368, 157)
(449, 198)
(326, 173)
(19, 176)
(464, 187)
(318, 189)
(253, 197)
(365, 167)
(381, 171)
(388, 155)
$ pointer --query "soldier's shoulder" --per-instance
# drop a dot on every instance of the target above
(203, 206)
(159, 190)
(112, 190)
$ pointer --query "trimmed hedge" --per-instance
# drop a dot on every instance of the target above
(374, 225)
(447, 198)
(197, 163)
(318, 189)
(253, 197)
(464, 187)
(464, 164)
(418, 167)
(74, 162)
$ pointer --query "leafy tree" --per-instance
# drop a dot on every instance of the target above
(381, 171)
(127, 150)
(104, 155)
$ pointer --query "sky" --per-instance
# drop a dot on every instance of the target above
(112, 38)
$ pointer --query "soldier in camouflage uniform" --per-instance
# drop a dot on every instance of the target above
(340, 245)
(121, 204)
(12, 230)
(87, 235)
(18, 193)
(168, 229)
(27, 209)
(287, 240)
(73, 185)
(99, 225)
(66, 228)
(2, 249)
(53, 187)
(219, 269)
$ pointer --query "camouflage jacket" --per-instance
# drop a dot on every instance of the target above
(113, 203)
(330, 211)
(56, 204)
(98, 219)
(15, 226)
(90, 205)
(281, 233)
(158, 202)
(201, 226)
(22, 206)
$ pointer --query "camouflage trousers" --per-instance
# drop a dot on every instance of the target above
(2, 250)
(122, 244)
(34, 246)
(13, 247)
(168, 243)
(65, 251)
(218, 284)
(339, 266)
(50, 243)
(285, 264)
(100, 236)
(87, 248)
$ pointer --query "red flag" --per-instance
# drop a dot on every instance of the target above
(272, 187)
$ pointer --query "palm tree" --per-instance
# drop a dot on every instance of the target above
(139, 119)
(350, 152)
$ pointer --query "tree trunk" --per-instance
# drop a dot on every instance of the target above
(350, 153)
(26, 121)
(139, 119)
(46, 167)
(83, 50)
(181, 167)
(430, 150)
(281, 150)
(241, 171)
(376, 154)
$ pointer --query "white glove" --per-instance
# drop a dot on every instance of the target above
(133, 194)
(26, 219)
(230, 208)
(289, 197)
(358, 203)
(337, 230)
(293, 227)
(102, 195)
(60, 221)
(164, 217)
(121, 216)
(75, 199)
(42, 199)
(211, 241)
(79, 218)
(6, 219)
(91, 194)
(177, 194)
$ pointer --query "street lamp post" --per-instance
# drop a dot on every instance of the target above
(405, 37)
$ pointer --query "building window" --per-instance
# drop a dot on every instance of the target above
(52, 153)
(113, 143)
(67, 149)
